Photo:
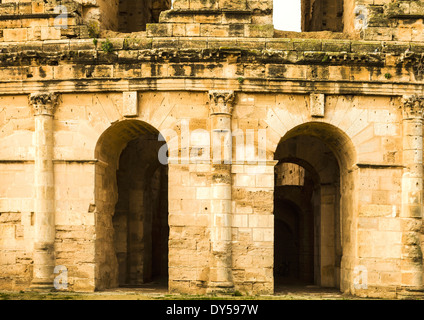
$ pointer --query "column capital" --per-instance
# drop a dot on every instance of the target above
(412, 107)
(44, 103)
(221, 102)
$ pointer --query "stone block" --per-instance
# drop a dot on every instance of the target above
(37, 7)
(317, 105)
(208, 17)
(214, 30)
(236, 17)
(50, 33)
(193, 30)
(245, 180)
(259, 31)
(279, 44)
(130, 104)
(9, 8)
(375, 210)
(15, 34)
(232, 4)
(203, 193)
(159, 30)
(243, 207)
(204, 4)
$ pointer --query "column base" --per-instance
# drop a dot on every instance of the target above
(220, 287)
(42, 285)
(410, 293)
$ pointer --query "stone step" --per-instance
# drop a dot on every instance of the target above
(209, 30)
(206, 16)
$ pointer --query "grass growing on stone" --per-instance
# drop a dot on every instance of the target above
(137, 295)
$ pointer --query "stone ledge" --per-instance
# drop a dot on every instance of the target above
(203, 84)
(127, 51)
(206, 11)
(230, 30)
(261, 43)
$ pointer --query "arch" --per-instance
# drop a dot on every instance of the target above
(114, 138)
(128, 188)
(328, 154)
(333, 137)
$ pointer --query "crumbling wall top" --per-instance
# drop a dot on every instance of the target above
(384, 20)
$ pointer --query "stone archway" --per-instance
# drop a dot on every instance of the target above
(132, 206)
(319, 157)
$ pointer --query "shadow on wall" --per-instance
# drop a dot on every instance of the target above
(134, 14)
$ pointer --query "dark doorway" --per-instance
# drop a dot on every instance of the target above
(141, 214)
(293, 226)
(307, 208)
(135, 14)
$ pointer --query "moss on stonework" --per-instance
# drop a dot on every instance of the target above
(107, 46)
(393, 9)
(93, 29)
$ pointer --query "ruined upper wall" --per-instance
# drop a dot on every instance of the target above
(216, 18)
(388, 20)
(383, 20)
(391, 20)
(40, 20)
(26, 20)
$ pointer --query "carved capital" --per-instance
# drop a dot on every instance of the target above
(43, 103)
(414, 61)
(221, 102)
(413, 107)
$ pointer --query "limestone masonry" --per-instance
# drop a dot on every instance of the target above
(192, 144)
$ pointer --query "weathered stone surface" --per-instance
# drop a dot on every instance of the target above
(199, 146)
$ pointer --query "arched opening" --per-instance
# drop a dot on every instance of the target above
(313, 233)
(140, 219)
(135, 14)
(322, 15)
(132, 207)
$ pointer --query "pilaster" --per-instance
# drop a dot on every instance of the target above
(44, 105)
(220, 278)
(412, 193)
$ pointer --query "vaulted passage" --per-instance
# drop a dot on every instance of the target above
(132, 207)
(141, 213)
(309, 218)
(294, 225)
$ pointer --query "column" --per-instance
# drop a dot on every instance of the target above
(412, 193)
(220, 278)
(44, 223)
